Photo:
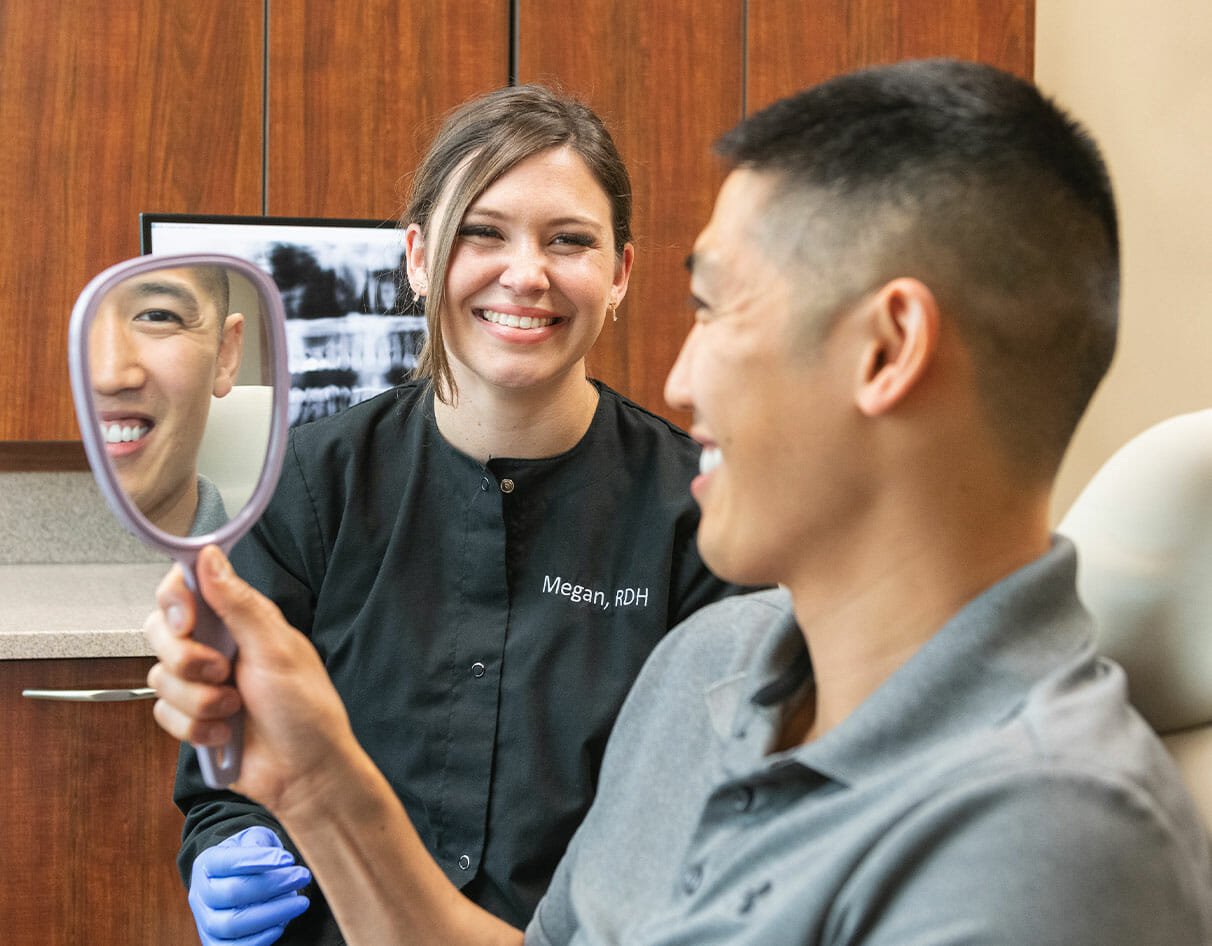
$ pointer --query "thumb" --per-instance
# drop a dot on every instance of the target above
(256, 836)
(248, 614)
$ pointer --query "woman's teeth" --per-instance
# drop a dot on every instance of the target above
(513, 321)
(123, 433)
(709, 459)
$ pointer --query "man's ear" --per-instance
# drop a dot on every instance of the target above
(231, 350)
(414, 257)
(902, 321)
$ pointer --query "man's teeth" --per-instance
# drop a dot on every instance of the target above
(123, 433)
(514, 321)
(709, 459)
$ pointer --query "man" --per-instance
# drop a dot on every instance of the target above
(906, 296)
(161, 345)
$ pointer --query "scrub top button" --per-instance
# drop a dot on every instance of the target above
(464, 862)
(743, 799)
(477, 669)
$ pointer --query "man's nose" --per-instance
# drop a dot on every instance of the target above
(113, 360)
(677, 385)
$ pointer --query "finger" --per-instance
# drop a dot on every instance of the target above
(241, 891)
(198, 700)
(259, 924)
(176, 602)
(234, 860)
(187, 729)
(183, 657)
(254, 621)
(256, 836)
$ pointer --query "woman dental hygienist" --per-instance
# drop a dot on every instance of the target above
(483, 557)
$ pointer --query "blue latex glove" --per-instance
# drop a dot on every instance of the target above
(244, 891)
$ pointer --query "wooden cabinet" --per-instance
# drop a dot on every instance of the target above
(323, 110)
(667, 78)
(357, 89)
(90, 833)
(108, 109)
(175, 106)
(671, 77)
(792, 44)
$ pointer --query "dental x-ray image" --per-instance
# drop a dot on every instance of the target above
(351, 331)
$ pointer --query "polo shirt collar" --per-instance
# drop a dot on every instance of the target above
(974, 672)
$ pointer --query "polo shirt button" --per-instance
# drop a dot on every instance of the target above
(464, 862)
(477, 669)
(484, 484)
(692, 878)
(507, 485)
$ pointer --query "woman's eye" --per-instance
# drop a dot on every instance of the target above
(575, 239)
(479, 231)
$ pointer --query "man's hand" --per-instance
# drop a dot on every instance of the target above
(296, 729)
(244, 891)
(302, 762)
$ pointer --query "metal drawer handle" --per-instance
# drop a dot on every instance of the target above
(92, 696)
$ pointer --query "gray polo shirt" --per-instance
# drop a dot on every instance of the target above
(997, 789)
(211, 514)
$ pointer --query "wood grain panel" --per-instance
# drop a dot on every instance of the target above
(793, 44)
(357, 89)
(667, 79)
(107, 110)
(90, 831)
(40, 455)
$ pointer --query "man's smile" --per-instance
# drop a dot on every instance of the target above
(124, 431)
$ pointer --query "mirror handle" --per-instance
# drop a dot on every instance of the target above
(220, 764)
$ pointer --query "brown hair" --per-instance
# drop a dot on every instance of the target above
(477, 144)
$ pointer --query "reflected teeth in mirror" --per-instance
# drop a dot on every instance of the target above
(123, 433)
(514, 321)
(709, 459)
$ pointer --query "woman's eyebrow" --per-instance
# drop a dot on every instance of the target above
(562, 221)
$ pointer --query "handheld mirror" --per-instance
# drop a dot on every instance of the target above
(178, 368)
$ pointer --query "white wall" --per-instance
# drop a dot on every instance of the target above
(1138, 73)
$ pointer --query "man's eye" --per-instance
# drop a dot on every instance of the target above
(159, 315)
(702, 310)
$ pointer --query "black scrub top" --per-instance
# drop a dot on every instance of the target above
(482, 622)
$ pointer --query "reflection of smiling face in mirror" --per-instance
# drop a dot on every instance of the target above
(160, 346)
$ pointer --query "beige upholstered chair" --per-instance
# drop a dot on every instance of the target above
(233, 448)
(1143, 531)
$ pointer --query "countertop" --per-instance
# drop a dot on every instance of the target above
(76, 610)
(73, 583)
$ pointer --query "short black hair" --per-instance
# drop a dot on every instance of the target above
(973, 181)
(216, 283)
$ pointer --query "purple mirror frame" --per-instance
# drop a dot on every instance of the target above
(220, 766)
(183, 549)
